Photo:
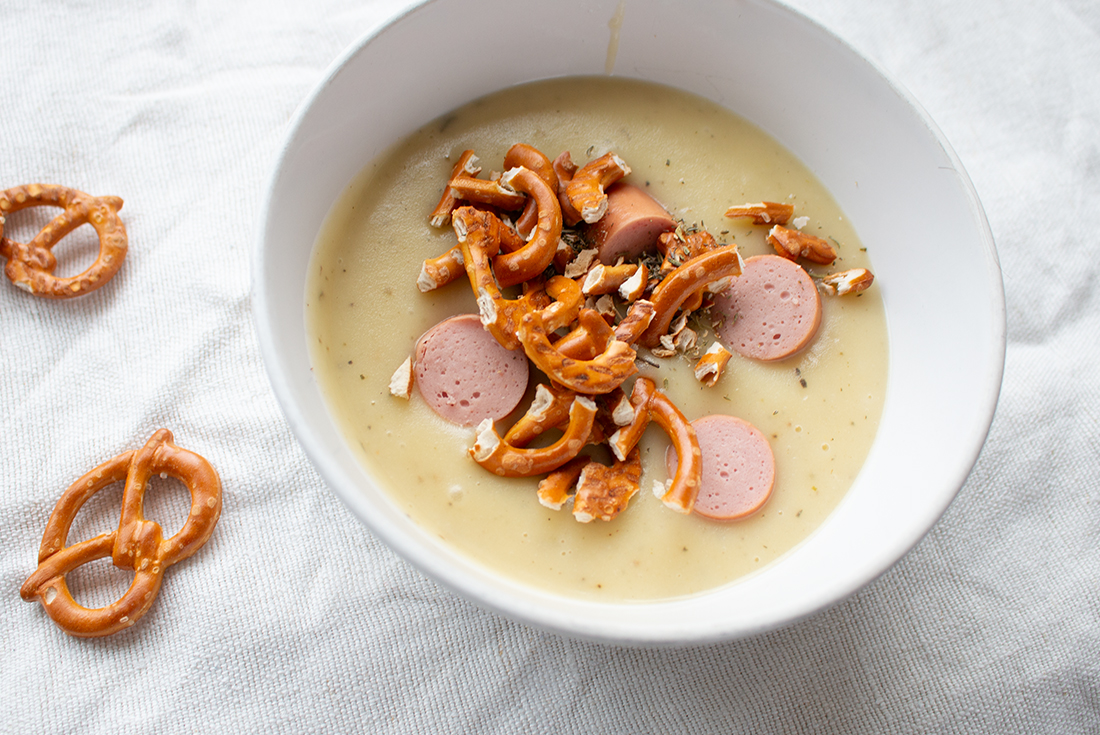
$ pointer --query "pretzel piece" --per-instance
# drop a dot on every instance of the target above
(31, 265)
(603, 492)
(846, 282)
(465, 166)
(137, 544)
(674, 290)
(794, 244)
(499, 457)
(650, 404)
(534, 257)
(763, 213)
(586, 189)
(712, 364)
(531, 158)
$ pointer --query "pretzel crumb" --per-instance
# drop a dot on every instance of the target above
(402, 380)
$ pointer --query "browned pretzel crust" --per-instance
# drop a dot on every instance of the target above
(31, 265)
(136, 544)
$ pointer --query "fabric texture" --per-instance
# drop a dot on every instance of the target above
(295, 618)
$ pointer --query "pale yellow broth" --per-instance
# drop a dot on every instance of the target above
(364, 314)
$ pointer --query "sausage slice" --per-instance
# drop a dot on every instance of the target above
(771, 311)
(465, 375)
(631, 225)
(738, 467)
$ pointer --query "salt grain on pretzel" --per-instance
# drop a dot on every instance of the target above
(31, 265)
(137, 544)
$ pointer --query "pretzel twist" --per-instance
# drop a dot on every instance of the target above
(30, 265)
(137, 544)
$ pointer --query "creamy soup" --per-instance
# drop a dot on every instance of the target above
(818, 409)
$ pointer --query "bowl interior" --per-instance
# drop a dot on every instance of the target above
(887, 165)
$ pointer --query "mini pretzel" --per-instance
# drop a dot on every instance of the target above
(651, 404)
(501, 458)
(586, 189)
(763, 213)
(31, 265)
(534, 257)
(465, 166)
(795, 244)
(684, 282)
(136, 544)
(531, 158)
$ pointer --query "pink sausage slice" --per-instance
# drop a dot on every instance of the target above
(465, 375)
(771, 311)
(631, 225)
(738, 468)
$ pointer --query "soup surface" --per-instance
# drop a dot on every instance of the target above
(818, 409)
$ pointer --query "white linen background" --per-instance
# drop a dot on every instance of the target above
(295, 618)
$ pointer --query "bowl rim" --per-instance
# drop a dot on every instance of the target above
(421, 558)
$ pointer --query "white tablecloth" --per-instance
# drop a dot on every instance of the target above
(295, 618)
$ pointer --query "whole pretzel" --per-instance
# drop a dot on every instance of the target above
(30, 265)
(136, 544)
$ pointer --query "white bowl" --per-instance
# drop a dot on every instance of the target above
(883, 159)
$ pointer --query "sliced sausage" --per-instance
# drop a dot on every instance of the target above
(738, 467)
(771, 311)
(465, 375)
(631, 225)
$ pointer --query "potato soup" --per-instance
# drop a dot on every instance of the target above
(819, 409)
